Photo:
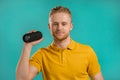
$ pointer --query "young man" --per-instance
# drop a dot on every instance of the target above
(64, 59)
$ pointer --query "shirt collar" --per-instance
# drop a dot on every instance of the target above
(70, 46)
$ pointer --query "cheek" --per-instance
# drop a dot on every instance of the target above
(67, 29)
(53, 29)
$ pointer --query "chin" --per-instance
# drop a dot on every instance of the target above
(61, 38)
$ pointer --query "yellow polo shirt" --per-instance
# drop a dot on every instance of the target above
(76, 62)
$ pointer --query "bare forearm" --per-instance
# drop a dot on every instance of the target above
(98, 76)
(23, 65)
(24, 70)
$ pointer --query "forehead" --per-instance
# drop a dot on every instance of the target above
(60, 17)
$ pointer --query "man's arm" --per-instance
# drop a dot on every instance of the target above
(94, 66)
(98, 76)
(24, 71)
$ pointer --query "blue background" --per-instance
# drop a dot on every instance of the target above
(96, 22)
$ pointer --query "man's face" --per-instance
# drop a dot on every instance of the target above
(60, 25)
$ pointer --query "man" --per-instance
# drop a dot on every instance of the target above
(64, 59)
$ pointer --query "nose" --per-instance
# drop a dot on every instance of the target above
(59, 27)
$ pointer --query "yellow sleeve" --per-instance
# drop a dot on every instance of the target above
(93, 67)
(36, 60)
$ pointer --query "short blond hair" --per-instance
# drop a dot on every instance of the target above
(59, 9)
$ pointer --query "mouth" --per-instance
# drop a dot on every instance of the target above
(59, 32)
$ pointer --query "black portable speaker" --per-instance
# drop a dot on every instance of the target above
(29, 37)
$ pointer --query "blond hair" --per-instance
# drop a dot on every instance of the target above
(59, 9)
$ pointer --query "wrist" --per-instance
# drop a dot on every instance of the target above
(27, 45)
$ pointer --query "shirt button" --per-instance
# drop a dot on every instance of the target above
(64, 58)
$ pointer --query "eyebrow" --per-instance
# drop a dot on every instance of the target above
(61, 22)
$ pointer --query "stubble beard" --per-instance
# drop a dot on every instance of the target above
(62, 38)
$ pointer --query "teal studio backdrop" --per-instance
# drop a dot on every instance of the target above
(96, 22)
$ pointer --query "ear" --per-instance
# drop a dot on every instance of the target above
(48, 25)
(71, 26)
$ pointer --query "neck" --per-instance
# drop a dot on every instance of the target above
(63, 44)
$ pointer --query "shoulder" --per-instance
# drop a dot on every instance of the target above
(83, 47)
(44, 49)
(41, 50)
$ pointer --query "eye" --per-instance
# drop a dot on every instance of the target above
(55, 24)
(64, 23)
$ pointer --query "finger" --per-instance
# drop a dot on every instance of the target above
(32, 31)
(40, 40)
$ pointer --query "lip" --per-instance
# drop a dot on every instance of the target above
(59, 33)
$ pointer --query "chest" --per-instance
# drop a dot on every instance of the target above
(65, 63)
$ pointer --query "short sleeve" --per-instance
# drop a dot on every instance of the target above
(36, 60)
(93, 67)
